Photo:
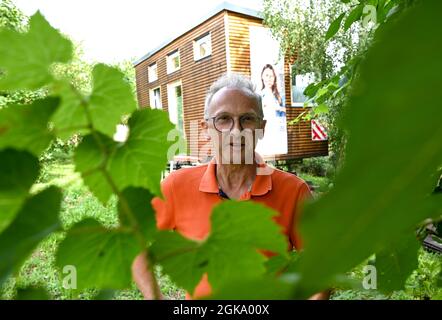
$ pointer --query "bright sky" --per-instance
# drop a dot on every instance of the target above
(116, 30)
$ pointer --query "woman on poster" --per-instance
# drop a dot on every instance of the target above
(275, 134)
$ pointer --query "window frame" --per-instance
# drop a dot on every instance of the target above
(196, 46)
(152, 97)
(149, 72)
(305, 103)
(169, 61)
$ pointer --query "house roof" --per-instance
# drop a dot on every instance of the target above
(221, 7)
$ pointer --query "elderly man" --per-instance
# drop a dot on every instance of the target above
(233, 123)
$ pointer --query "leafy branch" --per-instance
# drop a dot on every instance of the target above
(134, 226)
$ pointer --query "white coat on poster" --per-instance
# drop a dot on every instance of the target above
(267, 73)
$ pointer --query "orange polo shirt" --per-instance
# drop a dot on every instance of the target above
(191, 193)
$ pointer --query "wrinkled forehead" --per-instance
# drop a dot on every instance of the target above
(233, 100)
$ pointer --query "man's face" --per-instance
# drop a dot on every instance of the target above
(232, 108)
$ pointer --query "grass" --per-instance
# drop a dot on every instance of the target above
(422, 284)
(321, 184)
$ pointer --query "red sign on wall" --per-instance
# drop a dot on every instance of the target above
(318, 131)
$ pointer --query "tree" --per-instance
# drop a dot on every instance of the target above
(301, 26)
(303, 29)
(11, 17)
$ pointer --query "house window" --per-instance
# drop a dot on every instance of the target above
(299, 83)
(155, 98)
(202, 47)
(153, 72)
(173, 61)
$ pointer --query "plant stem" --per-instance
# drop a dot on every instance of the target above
(125, 208)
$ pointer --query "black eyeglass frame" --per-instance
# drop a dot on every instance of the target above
(260, 119)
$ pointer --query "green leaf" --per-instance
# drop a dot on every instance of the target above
(265, 288)
(395, 263)
(229, 253)
(393, 150)
(353, 16)
(382, 10)
(321, 109)
(334, 27)
(276, 264)
(28, 56)
(111, 99)
(284, 263)
(19, 170)
(37, 219)
(180, 258)
(322, 94)
(102, 258)
(140, 161)
(438, 226)
(389, 9)
(138, 200)
(106, 294)
(312, 89)
(228, 221)
(25, 127)
(90, 160)
(439, 279)
(70, 117)
(32, 294)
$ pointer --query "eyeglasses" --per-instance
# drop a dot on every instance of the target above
(225, 122)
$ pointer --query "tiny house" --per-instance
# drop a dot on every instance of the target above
(175, 77)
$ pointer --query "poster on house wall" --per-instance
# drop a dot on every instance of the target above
(267, 73)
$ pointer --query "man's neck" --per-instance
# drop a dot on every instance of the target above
(235, 179)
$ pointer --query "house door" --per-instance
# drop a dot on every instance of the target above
(175, 98)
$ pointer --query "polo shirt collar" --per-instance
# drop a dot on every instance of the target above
(261, 185)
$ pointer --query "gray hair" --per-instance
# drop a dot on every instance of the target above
(233, 81)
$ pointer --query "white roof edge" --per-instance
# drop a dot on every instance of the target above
(221, 7)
